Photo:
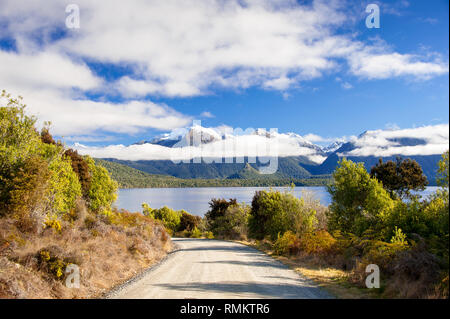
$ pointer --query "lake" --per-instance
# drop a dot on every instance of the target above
(195, 200)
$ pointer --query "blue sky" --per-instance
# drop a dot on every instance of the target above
(309, 67)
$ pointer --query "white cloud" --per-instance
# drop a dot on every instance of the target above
(71, 114)
(347, 86)
(386, 142)
(45, 70)
(182, 48)
(178, 48)
(370, 65)
(207, 114)
(234, 145)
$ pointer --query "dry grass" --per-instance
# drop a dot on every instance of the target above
(333, 280)
(107, 253)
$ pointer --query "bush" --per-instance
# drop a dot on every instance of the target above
(287, 244)
(169, 217)
(359, 202)
(103, 189)
(274, 212)
(63, 186)
(81, 168)
(232, 224)
(19, 142)
(188, 222)
(319, 242)
(195, 233)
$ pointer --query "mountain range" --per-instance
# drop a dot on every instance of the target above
(297, 157)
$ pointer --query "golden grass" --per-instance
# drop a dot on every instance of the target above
(108, 254)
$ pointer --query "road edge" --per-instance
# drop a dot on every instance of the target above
(118, 288)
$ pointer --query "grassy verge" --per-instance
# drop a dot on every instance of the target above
(333, 280)
(108, 250)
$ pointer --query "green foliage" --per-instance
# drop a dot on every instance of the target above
(196, 233)
(28, 187)
(232, 224)
(400, 177)
(63, 186)
(169, 217)
(18, 142)
(274, 212)
(103, 189)
(443, 171)
(147, 210)
(129, 177)
(399, 237)
(359, 202)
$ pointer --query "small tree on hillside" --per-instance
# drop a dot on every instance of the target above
(400, 177)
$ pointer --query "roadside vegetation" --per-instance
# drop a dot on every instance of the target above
(56, 210)
(374, 218)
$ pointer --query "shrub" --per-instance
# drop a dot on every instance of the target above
(103, 189)
(63, 186)
(196, 233)
(54, 262)
(319, 242)
(169, 217)
(274, 212)
(29, 187)
(188, 222)
(232, 224)
(359, 202)
(19, 141)
(81, 168)
(209, 235)
(286, 244)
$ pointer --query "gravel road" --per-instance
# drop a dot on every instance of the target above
(202, 269)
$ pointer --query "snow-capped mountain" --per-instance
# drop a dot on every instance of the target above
(198, 135)
(332, 147)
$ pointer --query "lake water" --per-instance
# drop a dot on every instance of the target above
(195, 200)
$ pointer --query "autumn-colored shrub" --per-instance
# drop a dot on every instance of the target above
(81, 168)
(188, 222)
(319, 242)
(286, 244)
(27, 197)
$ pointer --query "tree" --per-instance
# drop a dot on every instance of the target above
(359, 202)
(63, 186)
(217, 209)
(103, 189)
(188, 222)
(442, 178)
(169, 217)
(81, 168)
(399, 177)
(274, 213)
(19, 141)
